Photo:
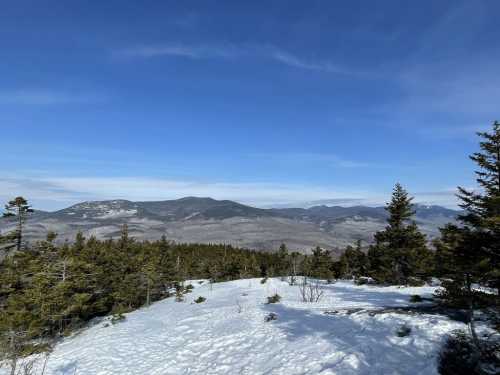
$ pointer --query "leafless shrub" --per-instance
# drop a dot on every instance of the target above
(27, 367)
(310, 290)
(22, 354)
(34, 365)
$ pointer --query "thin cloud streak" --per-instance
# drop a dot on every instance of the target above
(296, 62)
(192, 52)
(197, 52)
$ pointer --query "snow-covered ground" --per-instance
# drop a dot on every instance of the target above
(227, 334)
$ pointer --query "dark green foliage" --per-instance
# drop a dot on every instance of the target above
(294, 262)
(353, 262)
(403, 331)
(459, 356)
(320, 265)
(270, 317)
(117, 318)
(200, 299)
(415, 298)
(455, 295)
(400, 250)
(17, 210)
(470, 253)
(472, 250)
(362, 281)
(274, 299)
(47, 290)
(445, 264)
(284, 262)
(264, 280)
(415, 281)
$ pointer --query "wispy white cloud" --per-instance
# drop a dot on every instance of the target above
(68, 190)
(43, 193)
(297, 62)
(157, 189)
(46, 97)
(58, 192)
(179, 50)
(225, 51)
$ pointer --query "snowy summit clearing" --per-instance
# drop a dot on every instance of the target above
(228, 334)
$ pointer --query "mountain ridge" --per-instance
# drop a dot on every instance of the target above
(204, 219)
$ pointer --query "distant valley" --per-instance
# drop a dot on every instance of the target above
(207, 220)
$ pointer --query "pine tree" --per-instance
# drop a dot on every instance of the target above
(294, 267)
(150, 273)
(473, 248)
(482, 213)
(353, 262)
(48, 289)
(19, 210)
(400, 247)
(283, 267)
(321, 264)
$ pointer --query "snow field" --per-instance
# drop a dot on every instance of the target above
(227, 334)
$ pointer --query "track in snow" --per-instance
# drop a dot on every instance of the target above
(215, 338)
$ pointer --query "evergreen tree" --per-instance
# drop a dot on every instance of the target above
(353, 262)
(482, 213)
(150, 274)
(400, 248)
(472, 250)
(48, 290)
(18, 209)
(321, 264)
(253, 266)
(283, 259)
(294, 260)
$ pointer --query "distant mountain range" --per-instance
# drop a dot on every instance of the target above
(208, 220)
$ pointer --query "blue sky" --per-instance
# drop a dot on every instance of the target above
(264, 102)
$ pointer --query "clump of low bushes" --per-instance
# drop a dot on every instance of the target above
(274, 299)
(415, 298)
(460, 356)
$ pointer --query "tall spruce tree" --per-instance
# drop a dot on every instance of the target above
(283, 266)
(18, 209)
(473, 248)
(482, 212)
(400, 247)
